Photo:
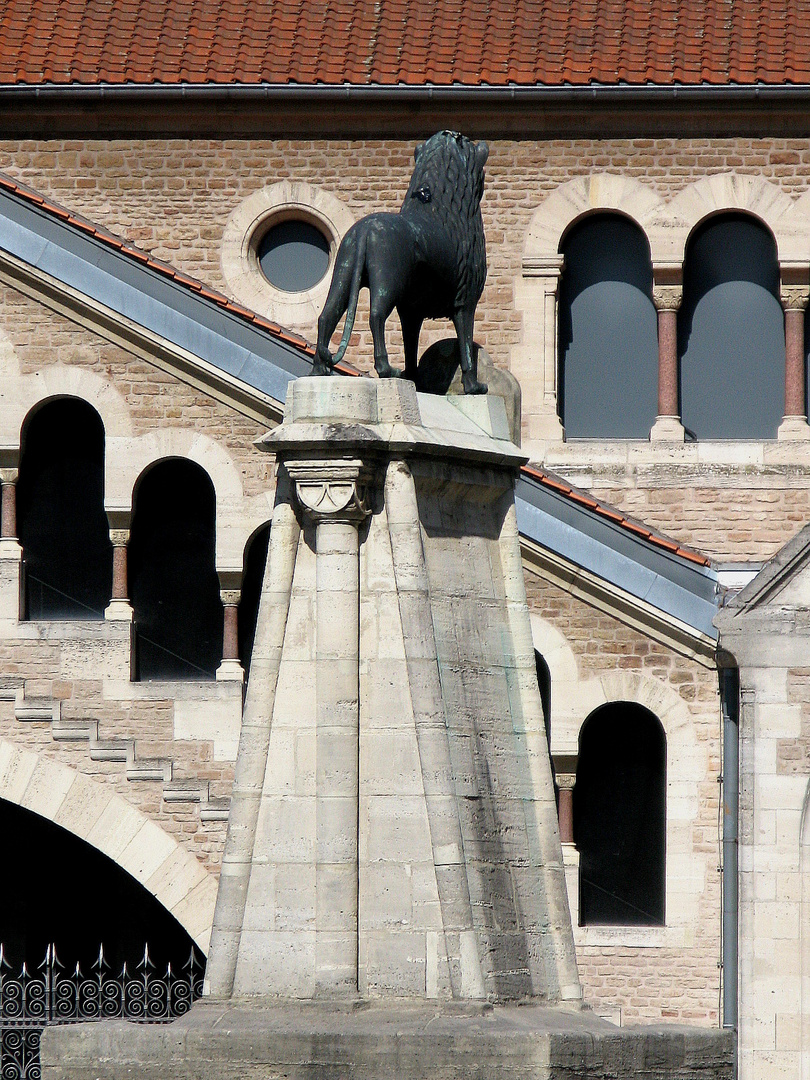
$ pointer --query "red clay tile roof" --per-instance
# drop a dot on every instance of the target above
(548, 480)
(412, 42)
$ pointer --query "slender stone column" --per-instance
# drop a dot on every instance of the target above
(230, 668)
(565, 784)
(667, 426)
(332, 494)
(119, 607)
(8, 508)
(794, 423)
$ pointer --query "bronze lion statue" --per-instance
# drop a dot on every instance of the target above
(428, 261)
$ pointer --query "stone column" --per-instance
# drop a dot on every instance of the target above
(794, 423)
(667, 427)
(231, 668)
(8, 508)
(565, 785)
(119, 607)
(333, 495)
(11, 598)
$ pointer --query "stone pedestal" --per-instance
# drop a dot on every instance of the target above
(393, 880)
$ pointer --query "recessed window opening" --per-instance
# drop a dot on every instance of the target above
(731, 335)
(61, 522)
(608, 332)
(59, 889)
(293, 255)
(252, 580)
(173, 581)
(620, 817)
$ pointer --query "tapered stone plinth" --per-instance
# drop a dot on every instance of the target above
(392, 900)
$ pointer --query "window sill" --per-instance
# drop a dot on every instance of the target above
(630, 937)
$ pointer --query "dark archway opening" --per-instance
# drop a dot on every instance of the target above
(61, 522)
(620, 817)
(59, 889)
(608, 331)
(731, 333)
(252, 580)
(173, 581)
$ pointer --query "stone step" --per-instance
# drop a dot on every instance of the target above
(83, 729)
(74, 730)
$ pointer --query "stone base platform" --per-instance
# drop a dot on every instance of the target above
(383, 1041)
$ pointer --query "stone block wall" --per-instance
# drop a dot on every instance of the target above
(176, 197)
(641, 974)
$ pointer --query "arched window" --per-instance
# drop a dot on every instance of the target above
(61, 522)
(173, 581)
(620, 816)
(731, 333)
(59, 889)
(608, 331)
(252, 579)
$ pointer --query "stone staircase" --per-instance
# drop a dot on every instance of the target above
(49, 710)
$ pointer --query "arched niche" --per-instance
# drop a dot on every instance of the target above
(731, 339)
(252, 580)
(608, 336)
(173, 584)
(620, 817)
(61, 522)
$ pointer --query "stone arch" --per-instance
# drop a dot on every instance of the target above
(129, 459)
(59, 381)
(115, 827)
(754, 195)
(533, 361)
(584, 195)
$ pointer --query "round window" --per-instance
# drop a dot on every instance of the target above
(293, 255)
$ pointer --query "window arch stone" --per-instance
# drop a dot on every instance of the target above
(534, 361)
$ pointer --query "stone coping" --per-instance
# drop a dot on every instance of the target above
(375, 1040)
(389, 416)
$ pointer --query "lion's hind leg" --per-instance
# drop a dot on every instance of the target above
(337, 303)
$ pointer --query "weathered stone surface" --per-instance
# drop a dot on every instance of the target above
(313, 1041)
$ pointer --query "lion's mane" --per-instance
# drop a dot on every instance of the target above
(449, 172)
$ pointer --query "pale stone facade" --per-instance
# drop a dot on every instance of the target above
(193, 203)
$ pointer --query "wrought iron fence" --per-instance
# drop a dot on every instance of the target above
(55, 994)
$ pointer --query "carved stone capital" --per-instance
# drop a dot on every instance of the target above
(8, 476)
(667, 297)
(230, 597)
(794, 297)
(332, 490)
(566, 781)
(119, 537)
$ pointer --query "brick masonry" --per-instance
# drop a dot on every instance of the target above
(641, 979)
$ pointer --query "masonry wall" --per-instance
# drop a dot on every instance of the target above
(640, 974)
(175, 198)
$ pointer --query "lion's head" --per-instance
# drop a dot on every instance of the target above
(449, 172)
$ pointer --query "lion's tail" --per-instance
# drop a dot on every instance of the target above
(354, 294)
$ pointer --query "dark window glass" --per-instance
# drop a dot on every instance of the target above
(252, 579)
(731, 335)
(173, 581)
(620, 817)
(61, 521)
(294, 255)
(58, 889)
(608, 331)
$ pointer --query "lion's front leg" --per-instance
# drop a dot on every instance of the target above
(463, 322)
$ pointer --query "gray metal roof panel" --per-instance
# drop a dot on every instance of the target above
(156, 303)
(686, 591)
